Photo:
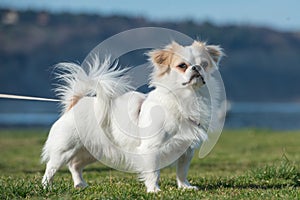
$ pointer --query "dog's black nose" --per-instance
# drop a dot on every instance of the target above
(196, 68)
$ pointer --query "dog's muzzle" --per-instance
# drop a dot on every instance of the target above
(196, 74)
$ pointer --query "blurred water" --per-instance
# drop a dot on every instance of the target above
(277, 116)
(27, 119)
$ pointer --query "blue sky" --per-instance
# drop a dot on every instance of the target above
(278, 14)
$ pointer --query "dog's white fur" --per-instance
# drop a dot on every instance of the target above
(100, 114)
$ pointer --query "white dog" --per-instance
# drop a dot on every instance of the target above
(128, 130)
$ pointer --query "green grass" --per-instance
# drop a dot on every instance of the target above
(245, 164)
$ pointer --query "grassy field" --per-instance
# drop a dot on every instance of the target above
(245, 164)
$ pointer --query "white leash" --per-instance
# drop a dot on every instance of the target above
(11, 96)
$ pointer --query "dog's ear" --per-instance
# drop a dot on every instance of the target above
(215, 52)
(161, 59)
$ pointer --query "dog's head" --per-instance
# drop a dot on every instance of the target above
(184, 66)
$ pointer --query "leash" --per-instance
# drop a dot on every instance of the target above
(11, 96)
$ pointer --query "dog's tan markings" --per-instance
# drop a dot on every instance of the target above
(179, 63)
(215, 52)
(164, 58)
(161, 59)
(74, 101)
(182, 67)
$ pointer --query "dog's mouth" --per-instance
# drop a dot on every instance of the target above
(195, 76)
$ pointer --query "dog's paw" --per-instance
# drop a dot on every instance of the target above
(186, 185)
(80, 185)
(189, 187)
(153, 190)
(46, 184)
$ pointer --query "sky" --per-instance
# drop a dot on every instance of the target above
(278, 14)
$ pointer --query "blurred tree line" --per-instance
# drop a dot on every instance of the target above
(261, 64)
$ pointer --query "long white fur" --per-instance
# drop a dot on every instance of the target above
(103, 80)
(86, 123)
(97, 80)
(127, 130)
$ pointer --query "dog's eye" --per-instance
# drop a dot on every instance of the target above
(204, 64)
(182, 66)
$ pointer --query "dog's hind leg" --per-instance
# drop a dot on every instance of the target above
(51, 168)
(56, 160)
(76, 165)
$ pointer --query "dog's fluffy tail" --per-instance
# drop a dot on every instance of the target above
(103, 80)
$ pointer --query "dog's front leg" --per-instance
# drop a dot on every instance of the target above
(148, 165)
(149, 171)
(151, 180)
(183, 164)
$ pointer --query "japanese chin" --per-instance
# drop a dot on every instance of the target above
(104, 119)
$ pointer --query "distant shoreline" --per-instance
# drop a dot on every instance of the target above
(276, 116)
